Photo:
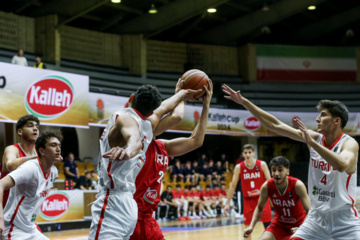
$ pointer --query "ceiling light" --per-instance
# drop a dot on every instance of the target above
(311, 7)
(152, 9)
(116, 1)
(211, 10)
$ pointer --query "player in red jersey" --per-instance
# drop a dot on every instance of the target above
(148, 182)
(290, 200)
(194, 198)
(27, 128)
(223, 199)
(215, 197)
(253, 173)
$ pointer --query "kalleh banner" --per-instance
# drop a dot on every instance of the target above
(62, 206)
(56, 98)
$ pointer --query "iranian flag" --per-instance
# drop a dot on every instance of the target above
(299, 63)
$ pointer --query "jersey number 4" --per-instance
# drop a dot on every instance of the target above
(324, 180)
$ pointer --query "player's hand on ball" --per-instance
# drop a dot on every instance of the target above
(209, 93)
(191, 93)
(232, 95)
(179, 85)
(247, 232)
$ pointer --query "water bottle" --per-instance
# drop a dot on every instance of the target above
(59, 227)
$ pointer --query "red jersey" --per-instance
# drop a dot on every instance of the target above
(195, 195)
(205, 195)
(223, 193)
(215, 194)
(288, 207)
(148, 181)
(187, 194)
(251, 179)
(4, 173)
(177, 195)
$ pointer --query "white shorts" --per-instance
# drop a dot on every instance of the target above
(17, 233)
(337, 225)
(114, 219)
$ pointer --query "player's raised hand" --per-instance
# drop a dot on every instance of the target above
(209, 93)
(190, 94)
(247, 232)
(117, 154)
(231, 94)
(304, 131)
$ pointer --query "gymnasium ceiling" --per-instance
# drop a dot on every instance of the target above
(236, 22)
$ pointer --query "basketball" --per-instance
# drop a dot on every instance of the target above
(195, 79)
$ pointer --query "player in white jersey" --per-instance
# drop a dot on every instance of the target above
(123, 145)
(29, 185)
(332, 169)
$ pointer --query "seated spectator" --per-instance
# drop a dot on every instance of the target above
(171, 164)
(70, 169)
(181, 203)
(94, 180)
(219, 170)
(207, 172)
(166, 202)
(189, 172)
(224, 162)
(205, 197)
(198, 172)
(239, 159)
(85, 182)
(214, 183)
(39, 63)
(211, 168)
(203, 159)
(178, 171)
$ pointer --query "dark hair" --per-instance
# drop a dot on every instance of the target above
(169, 186)
(248, 146)
(336, 108)
(24, 119)
(178, 185)
(147, 99)
(207, 186)
(42, 139)
(280, 160)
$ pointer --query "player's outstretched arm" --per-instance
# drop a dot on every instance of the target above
(268, 120)
(300, 190)
(170, 103)
(125, 132)
(346, 161)
(11, 159)
(232, 187)
(171, 120)
(180, 146)
(258, 210)
(5, 183)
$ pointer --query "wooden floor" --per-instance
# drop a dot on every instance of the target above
(211, 229)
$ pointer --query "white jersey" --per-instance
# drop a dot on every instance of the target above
(121, 175)
(32, 185)
(329, 189)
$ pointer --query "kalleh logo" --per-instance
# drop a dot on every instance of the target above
(49, 97)
(252, 123)
(54, 206)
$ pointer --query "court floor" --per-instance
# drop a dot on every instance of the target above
(210, 229)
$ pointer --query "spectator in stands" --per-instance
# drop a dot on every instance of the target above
(94, 180)
(189, 172)
(219, 171)
(225, 162)
(207, 172)
(85, 182)
(70, 169)
(203, 159)
(39, 63)
(214, 183)
(211, 168)
(198, 172)
(19, 59)
(166, 202)
(178, 171)
(239, 159)
(171, 164)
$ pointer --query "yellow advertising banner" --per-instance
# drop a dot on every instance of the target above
(62, 206)
(56, 98)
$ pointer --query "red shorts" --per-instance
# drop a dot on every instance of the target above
(250, 204)
(280, 231)
(147, 228)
